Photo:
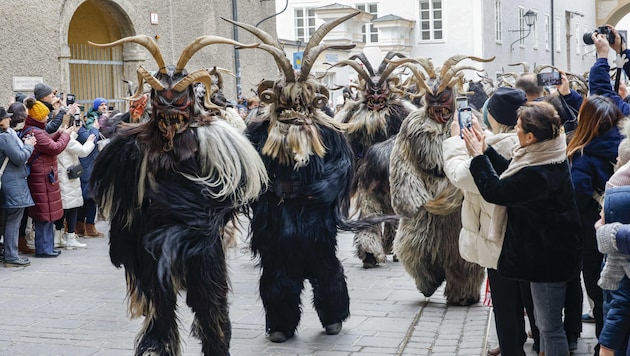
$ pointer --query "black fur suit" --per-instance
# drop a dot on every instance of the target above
(165, 231)
(294, 230)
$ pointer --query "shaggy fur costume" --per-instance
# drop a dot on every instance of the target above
(430, 209)
(169, 186)
(294, 229)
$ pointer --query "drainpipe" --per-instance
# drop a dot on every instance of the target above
(237, 58)
(553, 35)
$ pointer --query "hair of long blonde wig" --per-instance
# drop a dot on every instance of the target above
(597, 115)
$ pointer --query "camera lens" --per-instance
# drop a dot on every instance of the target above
(587, 37)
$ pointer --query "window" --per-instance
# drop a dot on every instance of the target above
(370, 33)
(304, 24)
(556, 30)
(431, 28)
(547, 32)
(577, 38)
(497, 21)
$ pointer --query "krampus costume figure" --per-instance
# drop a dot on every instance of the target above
(429, 205)
(169, 186)
(373, 118)
(295, 222)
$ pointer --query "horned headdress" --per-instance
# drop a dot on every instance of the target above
(172, 94)
(294, 101)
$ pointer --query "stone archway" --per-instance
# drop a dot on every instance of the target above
(90, 72)
(611, 11)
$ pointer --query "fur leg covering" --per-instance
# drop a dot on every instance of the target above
(369, 240)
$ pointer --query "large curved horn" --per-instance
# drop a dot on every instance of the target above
(366, 63)
(385, 74)
(272, 46)
(458, 58)
(420, 80)
(201, 42)
(388, 56)
(452, 72)
(143, 40)
(362, 73)
(541, 67)
(153, 82)
(316, 38)
(309, 59)
(426, 64)
(192, 78)
(281, 60)
(524, 64)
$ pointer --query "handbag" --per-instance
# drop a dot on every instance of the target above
(102, 142)
(75, 171)
(4, 165)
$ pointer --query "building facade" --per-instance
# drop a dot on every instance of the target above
(438, 29)
(47, 41)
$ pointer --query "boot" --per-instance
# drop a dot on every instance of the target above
(72, 242)
(80, 229)
(23, 246)
(59, 239)
(90, 231)
(30, 239)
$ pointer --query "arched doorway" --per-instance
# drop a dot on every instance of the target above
(95, 72)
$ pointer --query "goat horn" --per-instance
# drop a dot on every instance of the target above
(201, 42)
(144, 40)
(360, 70)
(311, 56)
(366, 63)
(452, 72)
(458, 58)
(524, 64)
(388, 56)
(541, 67)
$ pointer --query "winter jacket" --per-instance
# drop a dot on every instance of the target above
(542, 240)
(599, 82)
(14, 192)
(590, 170)
(54, 118)
(88, 161)
(474, 243)
(71, 192)
(43, 180)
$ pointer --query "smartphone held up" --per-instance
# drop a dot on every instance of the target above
(549, 78)
(464, 114)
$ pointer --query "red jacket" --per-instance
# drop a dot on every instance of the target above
(43, 162)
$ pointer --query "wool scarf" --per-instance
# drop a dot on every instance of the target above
(551, 151)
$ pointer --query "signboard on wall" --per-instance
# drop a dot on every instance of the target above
(26, 83)
(297, 60)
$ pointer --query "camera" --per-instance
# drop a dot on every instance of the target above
(603, 30)
(464, 114)
(70, 98)
(549, 78)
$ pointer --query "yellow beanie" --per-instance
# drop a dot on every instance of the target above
(37, 110)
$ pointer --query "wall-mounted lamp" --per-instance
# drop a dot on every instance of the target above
(530, 19)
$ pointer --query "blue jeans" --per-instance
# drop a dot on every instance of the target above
(44, 233)
(548, 304)
(13, 217)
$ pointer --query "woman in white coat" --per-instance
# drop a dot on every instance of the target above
(475, 241)
(71, 194)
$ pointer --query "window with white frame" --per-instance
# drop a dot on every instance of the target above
(577, 38)
(547, 32)
(431, 20)
(498, 37)
(556, 29)
(369, 31)
(534, 30)
(304, 24)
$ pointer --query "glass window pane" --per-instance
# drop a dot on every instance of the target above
(361, 7)
(438, 35)
(424, 15)
(437, 25)
(300, 22)
(425, 26)
(373, 9)
(437, 14)
(364, 38)
(424, 6)
(374, 38)
(425, 35)
(299, 13)
(437, 4)
(311, 22)
(311, 12)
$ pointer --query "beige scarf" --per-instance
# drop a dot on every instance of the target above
(540, 153)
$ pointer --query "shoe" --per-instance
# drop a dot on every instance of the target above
(46, 255)
(18, 262)
(58, 239)
(494, 352)
(56, 251)
(80, 228)
(90, 231)
(23, 246)
(587, 318)
(333, 329)
(72, 242)
(278, 336)
(369, 261)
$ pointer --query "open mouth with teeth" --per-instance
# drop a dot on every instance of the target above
(376, 104)
(440, 114)
(171, 124)
(293, 117)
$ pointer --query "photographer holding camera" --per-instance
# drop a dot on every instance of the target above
(605, 38)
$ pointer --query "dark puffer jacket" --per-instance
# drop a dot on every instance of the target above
(14, 192)
(542, 241)
(43, 180)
